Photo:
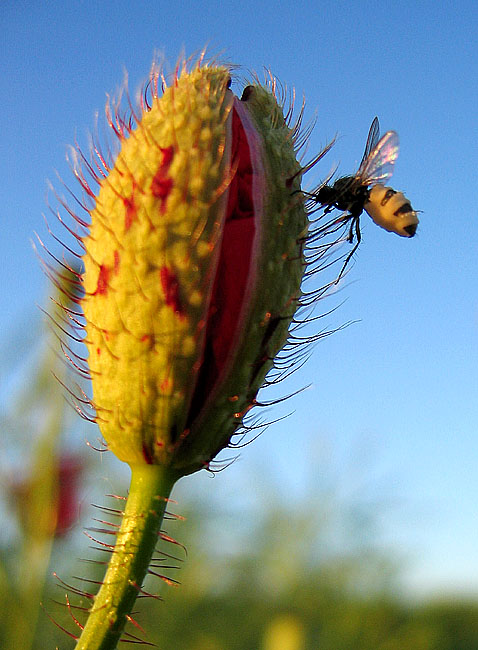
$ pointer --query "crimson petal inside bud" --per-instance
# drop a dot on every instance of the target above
(234, 276)
(257, 280)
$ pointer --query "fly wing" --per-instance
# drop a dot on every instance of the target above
(372, 139)
(378, 166)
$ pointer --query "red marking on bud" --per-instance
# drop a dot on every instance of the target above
(117, 262)
(103, 277)
(147, 454)
(167, 157)
(130, 211)
(145, 338)
(170, 287)
(162, 184)
(197, 365)
(161, 188)
(241, 414)
(165, 385)
(98, 351)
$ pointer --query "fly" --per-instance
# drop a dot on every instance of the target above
(365, 190)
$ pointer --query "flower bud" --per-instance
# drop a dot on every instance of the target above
(193, 266)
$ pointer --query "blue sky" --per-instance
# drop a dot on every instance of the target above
(393, 402)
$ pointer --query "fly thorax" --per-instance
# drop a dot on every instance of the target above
(345, 191)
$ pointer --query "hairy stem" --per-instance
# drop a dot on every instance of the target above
(136, 540)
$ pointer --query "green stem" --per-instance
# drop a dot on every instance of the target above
(136, 540)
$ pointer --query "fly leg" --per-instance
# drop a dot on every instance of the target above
(354, 226)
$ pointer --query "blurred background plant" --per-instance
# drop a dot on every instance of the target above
(41, 475)
(304, 575)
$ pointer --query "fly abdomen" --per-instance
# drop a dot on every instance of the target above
(392, 211)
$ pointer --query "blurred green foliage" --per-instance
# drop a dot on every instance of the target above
(248, 600)
(283, 584)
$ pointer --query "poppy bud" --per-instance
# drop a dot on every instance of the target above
(193, 264)
(193, 267)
